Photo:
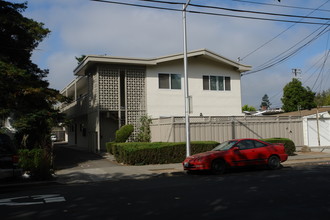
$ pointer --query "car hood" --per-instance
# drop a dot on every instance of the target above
(206, 154)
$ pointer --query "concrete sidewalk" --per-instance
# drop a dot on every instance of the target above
(74, 165)
(106, 168)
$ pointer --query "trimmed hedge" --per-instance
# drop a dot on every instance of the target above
(139, 153)
(109, 146)
(123, 133)
(289, 145)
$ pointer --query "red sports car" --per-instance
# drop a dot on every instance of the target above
(237, 153)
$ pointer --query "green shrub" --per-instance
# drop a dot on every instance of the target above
(123, 133)
(109, 146)
(37, 162)
(144, 134)
(138, 153)
(289, 145)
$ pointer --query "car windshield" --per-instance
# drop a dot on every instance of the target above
(224, 146)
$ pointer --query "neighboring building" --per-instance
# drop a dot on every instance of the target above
(263, 112)
(316, 129)
(112, 91)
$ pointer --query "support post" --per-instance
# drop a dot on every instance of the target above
(186, 90)
(318, 126)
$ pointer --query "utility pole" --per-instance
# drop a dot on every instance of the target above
(295, 73)
(186, 90)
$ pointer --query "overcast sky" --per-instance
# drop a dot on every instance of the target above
(87, 27)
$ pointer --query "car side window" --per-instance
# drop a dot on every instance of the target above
(245, 144)
(259, 144)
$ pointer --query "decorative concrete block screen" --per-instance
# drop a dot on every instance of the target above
(93, 92)
(135, 95)
(134, 89)
(109, 89)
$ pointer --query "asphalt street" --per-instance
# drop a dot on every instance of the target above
(297, 192)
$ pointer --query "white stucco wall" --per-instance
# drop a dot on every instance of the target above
(80, 140)
(166, 102)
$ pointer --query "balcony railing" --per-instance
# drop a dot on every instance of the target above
(76, 107)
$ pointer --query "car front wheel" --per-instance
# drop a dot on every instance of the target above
(218, 166)
(274, 162)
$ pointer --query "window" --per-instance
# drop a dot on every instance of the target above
(175, 81)
(227, 83)
(206, 84)
(219, 83)
(245, 144)
(164, 82)
(169, 81)
(213, 82)
(259, 144)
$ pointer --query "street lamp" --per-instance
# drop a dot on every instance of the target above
(186, 91)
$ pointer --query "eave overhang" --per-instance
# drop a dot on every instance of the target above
(91, 60)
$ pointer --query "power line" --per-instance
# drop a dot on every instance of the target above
(165, 2)
(258, 48)
(326, 58)
(239, 10)
(258, 18)
(287, 54)
(258, 12)
(310, 68)
(321, 71)
(272, 62)
(305, 72)
(213, 14)
(326, 80)
(281, 5)
(136, 5)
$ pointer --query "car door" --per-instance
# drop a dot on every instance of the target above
(263, 152)
(245, 155)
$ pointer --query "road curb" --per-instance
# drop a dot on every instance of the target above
(309, 162)
(23, 185)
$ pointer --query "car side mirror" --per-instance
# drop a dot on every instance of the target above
(235, 148)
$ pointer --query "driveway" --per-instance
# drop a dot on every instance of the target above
(68, 157)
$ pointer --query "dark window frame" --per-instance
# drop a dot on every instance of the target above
(169, 81)
(216, 83)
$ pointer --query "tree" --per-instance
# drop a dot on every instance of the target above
(323, 98)
(80, 59)
(248, 108)
(295, 97)
(265, 104)
(24, 94)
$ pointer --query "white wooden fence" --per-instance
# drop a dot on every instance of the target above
(222, 128)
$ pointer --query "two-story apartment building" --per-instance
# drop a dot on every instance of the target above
(112, 91)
